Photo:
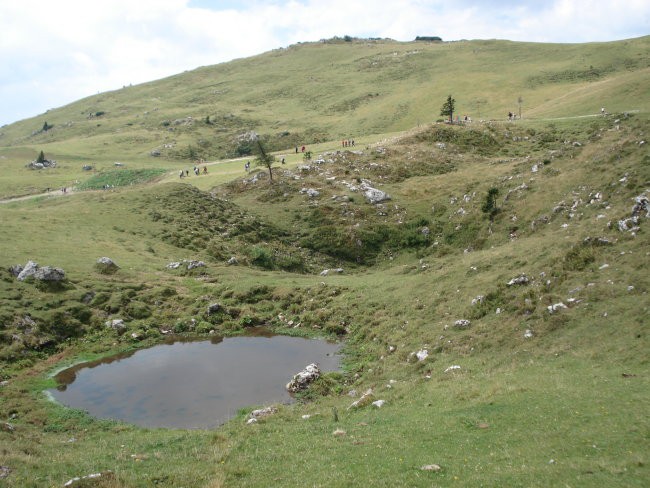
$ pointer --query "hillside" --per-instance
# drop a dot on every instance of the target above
(328, 91)
(488, 280)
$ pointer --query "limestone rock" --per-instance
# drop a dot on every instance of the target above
(28, 270)
(49, 273)
(555, 307)
(45, 273)
(303, 379)
(422, 354)
(519, 280)
(106, 265)
(366, 399)
(263, 412)
(117, 324)
(454, 367)
(373, 195)
(16, 269)
(462, 323)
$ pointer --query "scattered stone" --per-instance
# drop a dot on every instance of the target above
(106, 265)
(73, 481)
(339, 433)
(195, 264)
(310, 192)
(555, 307)
(528, 334)
(454, 367)
(365, 400)
(7, 427)
(251, 421)
(604, 266)
(431, 467)
(422, 354)
(641, 205)
(191, 264)
(303, 379)
(117, 324)
(478, 299)
(326, 272)
(87, 167)
(306, 417)
(213, 308)
(391, 349)
(263, 412)
(233, 261)
(462, 323)
(4, 471)
(519, 280)
(629, 225)
(373, 195)
(379, 403)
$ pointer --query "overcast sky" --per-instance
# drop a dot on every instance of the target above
(53, 52)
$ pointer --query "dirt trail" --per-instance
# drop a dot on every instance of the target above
(50, 194)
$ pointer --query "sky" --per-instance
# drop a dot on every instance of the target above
(56, 52)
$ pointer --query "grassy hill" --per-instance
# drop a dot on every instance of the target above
(526, 393)
(327, 91)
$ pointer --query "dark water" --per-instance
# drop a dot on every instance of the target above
(191, 384)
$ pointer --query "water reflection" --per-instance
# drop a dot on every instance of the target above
(190, 383)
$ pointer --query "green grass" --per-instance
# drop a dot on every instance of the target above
(566, 406)
(120, 177)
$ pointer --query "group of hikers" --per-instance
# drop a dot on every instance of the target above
(347, 142)
(196, 170)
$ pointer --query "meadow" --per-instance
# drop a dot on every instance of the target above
(514, 390)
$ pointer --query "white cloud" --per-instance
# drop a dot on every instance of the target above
(56, 52)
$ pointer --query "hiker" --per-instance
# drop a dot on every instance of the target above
(187, 172)
(296, 149)
(303, 148)
(283, 161)
(602, 111)
(205, 170)
(180, 174)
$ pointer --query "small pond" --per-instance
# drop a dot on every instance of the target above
(192, 384)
